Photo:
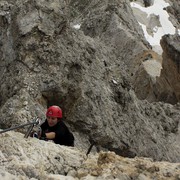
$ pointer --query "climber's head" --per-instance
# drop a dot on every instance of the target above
(53, 115)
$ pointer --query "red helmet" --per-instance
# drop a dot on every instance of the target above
(54, 111)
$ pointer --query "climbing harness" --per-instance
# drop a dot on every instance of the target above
(30, 124)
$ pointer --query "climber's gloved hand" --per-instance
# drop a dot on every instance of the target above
(43, 136)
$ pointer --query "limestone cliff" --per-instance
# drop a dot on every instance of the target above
(36, 159)
(45, 60)
(168, 86)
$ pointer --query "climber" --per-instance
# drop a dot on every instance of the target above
(55, 129)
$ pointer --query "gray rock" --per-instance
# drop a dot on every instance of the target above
(168, 83)
(87, 73)
(148, 3)
(36, 159)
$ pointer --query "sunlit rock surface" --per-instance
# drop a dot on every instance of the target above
(31, 158)
(88, 71)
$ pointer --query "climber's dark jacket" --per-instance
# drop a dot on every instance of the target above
(63, 135)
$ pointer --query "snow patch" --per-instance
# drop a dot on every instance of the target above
(114, 81)
(77, 26)
(166, 26)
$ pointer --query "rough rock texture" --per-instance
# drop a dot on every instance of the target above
(31, 158)
(144, 78)
(35, 159)
(146, 75)
(148, 3)
(116, 27)
(45, 61)
(168, 86)
(174, 11)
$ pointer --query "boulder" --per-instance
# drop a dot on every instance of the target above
(87, 72)
(36, 159)
(168, 87)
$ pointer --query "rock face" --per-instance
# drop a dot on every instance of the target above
(146, 76)
(35, 159)
(32, 158)
(174, 11)
(148, 3)
(160, 85)
(168, 86)
(45, 61)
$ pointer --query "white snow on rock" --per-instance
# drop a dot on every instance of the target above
(114, 81)
(77, 26)
(166, 26)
